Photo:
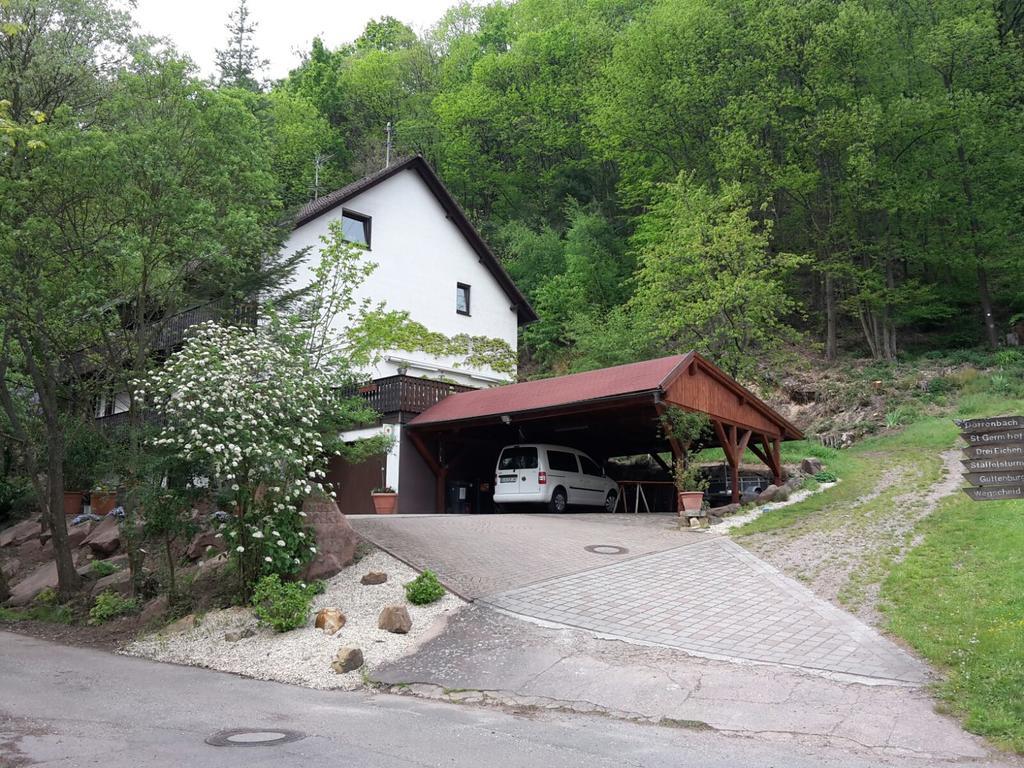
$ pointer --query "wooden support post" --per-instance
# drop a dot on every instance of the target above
(661, 463)
(440, 472)
(734, 442)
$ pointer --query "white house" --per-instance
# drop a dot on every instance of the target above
(432, 263)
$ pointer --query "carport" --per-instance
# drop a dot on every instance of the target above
(607, 413)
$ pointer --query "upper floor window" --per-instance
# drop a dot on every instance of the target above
(462, 298)
(355, 228)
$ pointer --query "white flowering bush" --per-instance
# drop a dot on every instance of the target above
(246, 411)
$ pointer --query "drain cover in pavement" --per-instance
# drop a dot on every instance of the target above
(245, 737)
(606, 549)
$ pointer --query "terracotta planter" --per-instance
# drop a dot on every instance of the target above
(103, 503)
(72, 503)
(690, 501)
(384, 503)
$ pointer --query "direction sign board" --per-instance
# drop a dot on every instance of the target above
(1010, 451)
(993, 424)
(995, 478)
(995, 492)
(992, 465)
(994, 438)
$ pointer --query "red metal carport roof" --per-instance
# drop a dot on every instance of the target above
(602, 384)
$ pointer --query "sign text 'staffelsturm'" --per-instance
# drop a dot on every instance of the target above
(994, 460)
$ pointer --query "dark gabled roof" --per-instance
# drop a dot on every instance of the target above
(592, 388)
(316, 208)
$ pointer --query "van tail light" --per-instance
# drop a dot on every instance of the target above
(542, 477)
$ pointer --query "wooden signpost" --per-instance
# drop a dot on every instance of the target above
(994, 463)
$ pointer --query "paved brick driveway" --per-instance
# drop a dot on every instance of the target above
(478, 555)
(698, 592)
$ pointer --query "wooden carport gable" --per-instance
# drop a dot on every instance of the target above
(614, 410)
(741, 420)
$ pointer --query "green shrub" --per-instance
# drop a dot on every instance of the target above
(826, 477)
(283, 606)
(103, 568)
(424, 589)
(47, 597)
(110, 605)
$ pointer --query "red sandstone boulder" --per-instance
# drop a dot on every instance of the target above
(396, 619)
(20, 533)
(105, 538)
(201, 542)
(335, 538)
(25, 591)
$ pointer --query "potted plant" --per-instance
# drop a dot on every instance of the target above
(690, 432)
(691, 485)
(385, 500)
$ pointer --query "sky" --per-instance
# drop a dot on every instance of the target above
(284, 26)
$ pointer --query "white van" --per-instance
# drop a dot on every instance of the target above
(554, 475)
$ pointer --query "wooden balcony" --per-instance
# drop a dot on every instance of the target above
(407, 396)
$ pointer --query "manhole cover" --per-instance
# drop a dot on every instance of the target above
(606, 549)
(246, 737)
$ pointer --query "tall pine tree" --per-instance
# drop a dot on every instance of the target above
(240, 63)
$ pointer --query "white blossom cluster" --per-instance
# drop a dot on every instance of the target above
(245, 409)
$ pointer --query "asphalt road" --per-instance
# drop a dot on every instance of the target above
(65, 706)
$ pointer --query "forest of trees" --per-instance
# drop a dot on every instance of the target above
(739, 176)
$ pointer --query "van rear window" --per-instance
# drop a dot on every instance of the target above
(518, 458)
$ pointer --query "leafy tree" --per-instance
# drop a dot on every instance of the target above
(385, 34)
(707, 278)
(240, 63)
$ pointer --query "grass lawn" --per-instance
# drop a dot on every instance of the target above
(958, 595)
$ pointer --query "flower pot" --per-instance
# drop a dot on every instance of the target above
(103, 502)
(690, 501)
(72, 503)
(384, 503)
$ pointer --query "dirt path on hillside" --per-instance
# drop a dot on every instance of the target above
(843, 552)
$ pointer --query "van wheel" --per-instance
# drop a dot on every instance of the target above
(609, 503)
(559, 501)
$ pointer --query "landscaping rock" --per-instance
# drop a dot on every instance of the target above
(811, 466)
(105, 538)
(335, 538)
(25, 591)
(374, 577)
(203, 541)
(20, 533)
(330, 620)
(348, 659)
(154, 610)
(728, 509)
(184, 624)
(79, 533)
(396, 619)
(767, 494)
(234, 635)
(120, 582)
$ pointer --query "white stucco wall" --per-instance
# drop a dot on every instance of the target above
(420, 257)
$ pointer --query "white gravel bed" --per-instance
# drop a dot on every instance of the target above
(735, 521)
(303, 656)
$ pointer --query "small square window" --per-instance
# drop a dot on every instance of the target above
(355, 228)
(462, 298)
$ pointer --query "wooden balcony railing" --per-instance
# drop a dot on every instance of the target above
(406, 394)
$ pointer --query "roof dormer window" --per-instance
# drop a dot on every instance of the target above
(355, 227)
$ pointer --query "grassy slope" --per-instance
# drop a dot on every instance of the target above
(957, 597)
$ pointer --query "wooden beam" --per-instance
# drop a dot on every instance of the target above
(661, 462)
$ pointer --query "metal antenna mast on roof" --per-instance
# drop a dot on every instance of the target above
(387, 147)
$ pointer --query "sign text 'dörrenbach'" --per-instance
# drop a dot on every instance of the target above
(992, 465)
(992, 424)
(995, 492)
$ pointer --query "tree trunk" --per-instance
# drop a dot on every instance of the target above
(68, 580)
(5, 590)
(984, 295)
(831, 348)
